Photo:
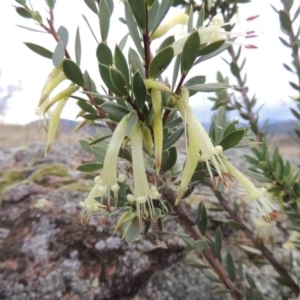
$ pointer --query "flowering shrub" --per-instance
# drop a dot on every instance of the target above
(137, 168)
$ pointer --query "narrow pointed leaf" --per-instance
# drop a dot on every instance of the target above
(58, 55)
(114, 110)
(91, 5)
(138, 9)
(23, 13)
(63, 35)
(78, 47)
(232, 139)
(211, 48)
(172, 159)
(162, 11)
(91, 30)
(131, 123)
(230, 267)
(135, 62)
(190, 51)
(104, 19)
(89, 167)
(39, 50)
(203, 220)
(173, 138)
(139, 90)
(118, 81)
(167, 42)
(104, 54)
(121, 63)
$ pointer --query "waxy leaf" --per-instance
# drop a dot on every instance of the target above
(139, 90)
(218, 242)
(160, 62)
(51, 4)
(138, 9)
(203, 218)
(86, 106)
(104, 54)
(132, 233)
(135, 62)
(285, 21)
(24, 13)
(161, 12)
(91, 30)
(39, 50)
(114, 110)
(104, 19)
(131, 123)
(63, 35)
(77, 47)
(232, 139)
(212, 47)
(152, 14)
(92, 5)
(105, 75)
(118, 81)
(167, 42)
(172, 159)
(230, 266)
(98, 151)
(173, 138)
(58, 55)
(73, 72)
(200, 246)
(190, 51)
(121, 63)
(89, 167)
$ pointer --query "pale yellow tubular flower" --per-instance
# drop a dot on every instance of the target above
(63, 94)
(42, 113)
(157, 126)
(253, 194)
(108, 180)
(200, 145)
(179, 18)
(154, 84)
(81, 124)
(142, 194)
(52, 128)
(263, 229)
(147, 139)
(52, 85)
(214, 32)
(90, 205)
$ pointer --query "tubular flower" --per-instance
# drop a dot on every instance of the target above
(214, 32)
(157, 127)
(180, 18)
(200, 146)
(256, 195)
(90, 205)
(263, 229)
(108, 180)
(142, 194)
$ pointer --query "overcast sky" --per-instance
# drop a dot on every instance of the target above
(266, 75)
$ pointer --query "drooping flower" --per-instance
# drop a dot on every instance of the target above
(108, 179)
(200, 146)
(214, 32)
(253, 194)
(263, 229)
(142, 193)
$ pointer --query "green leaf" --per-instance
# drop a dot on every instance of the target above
(105, 75)
(203, 220)
(89, 167)
(121, 63)
(24, 13)
(191, 20)
(152, 14)
(201, 17)
(235, 69)
(190, 51)
(22, 2)
(133, 31)
(73, 72)
(58, 55)
(220, 291)
(235, 225)
(133, 231)
(78, 47)
(219, 123)
(104, 19)
(199, 266)
(86, 106)
(131, 123)
(92, 6)
(32, 29)
(123, 41)
(91, 117)
(195, 80)
(285, 20)
(91, 30)
(210, 275)
(51, 4)
(114, 110)
(160, 62)
(172, 159)
(209, 87)
(135, 62)
(98, 151)
(284, 281)
(88, 81)
(232, 139)
(218, 241)
(296, 14)
(39, 50)
(125, 154)
(162, 11)
(97, 141)
(214, 53)
(104, 54)
(173, 138)
(139, 90)
(118, 81)
(176, 70)
(167, 42)
(63, 35)
(230, 267)
(211, 48)
(200, 246)
(138, 9)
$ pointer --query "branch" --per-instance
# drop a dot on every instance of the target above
(265, 252)
(194, 232)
